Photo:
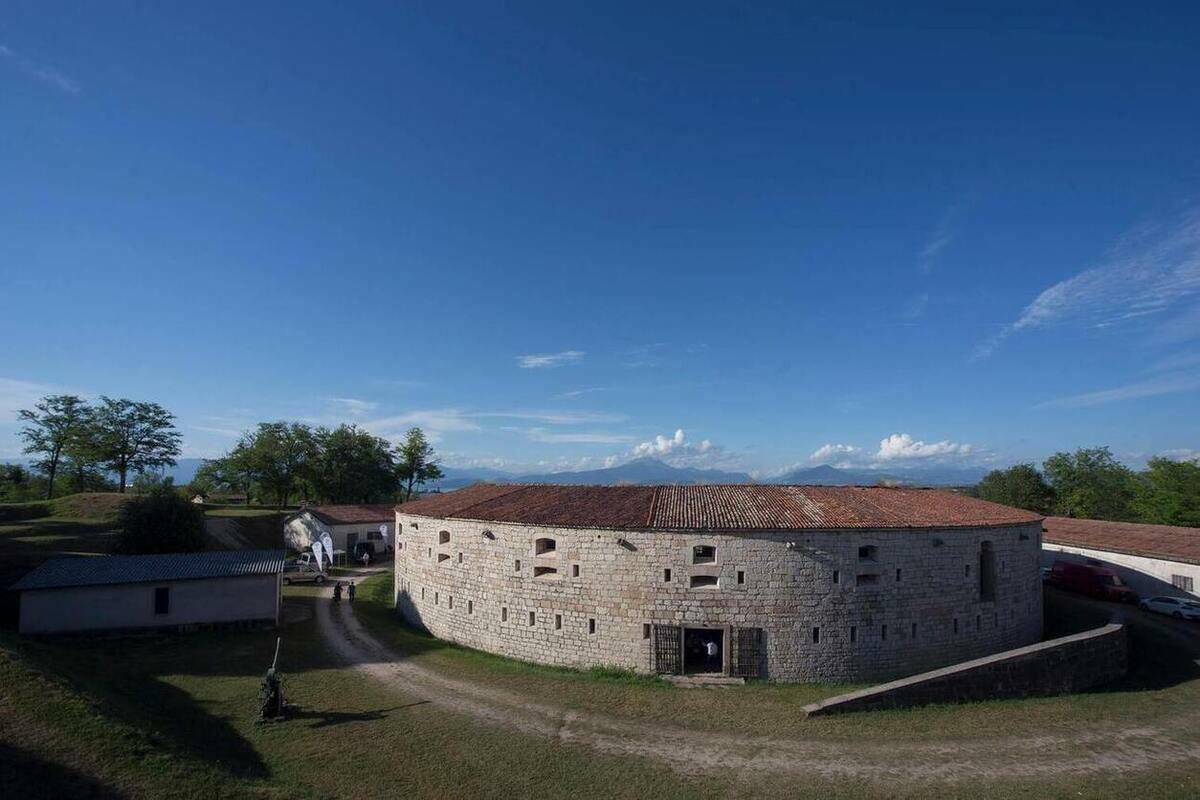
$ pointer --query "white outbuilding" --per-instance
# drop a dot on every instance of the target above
(1151, 559)
(347, 526)
(176, 590)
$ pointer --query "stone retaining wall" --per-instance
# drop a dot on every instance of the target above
(1060, 666)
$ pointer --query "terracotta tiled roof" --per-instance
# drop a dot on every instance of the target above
(1132, 538)
(352, 514)
(729, 508)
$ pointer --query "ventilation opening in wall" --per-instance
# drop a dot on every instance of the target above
(422, 592)
(837, 576)
(450, 602)
(987, 572)
(883, 633)
(899, 575)
(704, 554)
(956, 624)
(816, 635)
(866, 579)
(470, 607)
(532, 618)
(853, 634)
(517, 565)
(460, 558)
(545, 546)
(868, 552)
(504, 614)
(558, 622)
(436, 595)
(545, 572)
(443, 557)
(444, 537)
(914, 630)
(741, 577)
(666, 576)
(704, 581)
(574, 570)
(591, 625)
(645, 630)
(978, 622)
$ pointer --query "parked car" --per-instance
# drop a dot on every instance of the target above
(1177, 607)
(303, 570)
(1091, 580)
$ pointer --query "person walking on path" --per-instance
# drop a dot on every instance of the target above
(351, 590)
(337, 592)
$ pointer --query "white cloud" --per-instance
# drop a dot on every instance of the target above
(353, 406)
(1163, 384)
(838, 455)
(1150, 271)
(16, 395)
(549, 360)
(579, 393)
(41, 72)
(646, 355)
(575, 437)
(902, 447)
(1181, 454)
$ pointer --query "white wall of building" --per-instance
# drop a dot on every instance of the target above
(131, 605)
(302, 530)
(1146, 576)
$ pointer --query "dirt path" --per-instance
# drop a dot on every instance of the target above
(1087, 752)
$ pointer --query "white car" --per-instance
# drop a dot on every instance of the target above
(1177, 607)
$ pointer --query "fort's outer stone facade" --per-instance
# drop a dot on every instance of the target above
(822, 604)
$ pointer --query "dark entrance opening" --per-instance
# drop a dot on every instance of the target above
(703, 650)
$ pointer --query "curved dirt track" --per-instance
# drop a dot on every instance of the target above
(1085, 752)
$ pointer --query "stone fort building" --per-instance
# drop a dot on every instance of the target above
(790, 583)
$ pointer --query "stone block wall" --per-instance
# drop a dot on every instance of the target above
(1060, 666)
(910, 604)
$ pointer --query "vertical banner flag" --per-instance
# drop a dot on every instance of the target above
(316, 548)
(383, 535)
(328, 542)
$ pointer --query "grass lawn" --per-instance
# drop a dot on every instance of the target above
(174, 715)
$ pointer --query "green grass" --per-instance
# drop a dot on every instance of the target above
(91, 506)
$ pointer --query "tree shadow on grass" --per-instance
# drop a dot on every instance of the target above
(28, 776)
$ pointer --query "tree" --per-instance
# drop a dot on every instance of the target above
(353, 466)
(281, 454)
(160, 521)
(1020, 485)
(81, 457)
(1168, 493)
(417, 464)
(53, 423)
(135, 436)
(1091, 484)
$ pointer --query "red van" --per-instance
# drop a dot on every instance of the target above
(1095, 581)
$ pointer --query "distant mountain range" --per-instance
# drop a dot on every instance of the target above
(642, 471)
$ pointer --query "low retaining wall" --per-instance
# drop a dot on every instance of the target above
(1060, 666)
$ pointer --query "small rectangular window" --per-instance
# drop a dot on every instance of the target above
(429, 552)
(741, 577)
(574, 570)
(504, 614)
(436, 595)
(470, 607)
(1184, 582)
(558, 622)
(853, 634)
(532, 618)
(867, 579)
(704, 581)
(867, 552)
(451, 602)
(898, 578)
(837, 576)
(422, 592)
(967, 570)
(914, 630)
(517, 565)
(883, 633)
(591, 625)
(460, 558)
(704, 554)
(978, 622)
(816, 635)
(162, 600)
(645, 630)
(666, 576)
(956, 624)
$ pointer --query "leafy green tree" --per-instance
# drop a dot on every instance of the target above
(1168, 493)
(160, 521)
(353, 466)
(417, 462)
(1091, 484)
(281, 454)
(1021, 486)
(132, 436)
(52, 424)
(81, 457)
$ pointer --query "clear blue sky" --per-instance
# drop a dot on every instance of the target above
(903, 234)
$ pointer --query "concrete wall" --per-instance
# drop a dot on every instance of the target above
(302, 530)
(459, 590)
(251, 597)
(1146, 576)
(1070, 664)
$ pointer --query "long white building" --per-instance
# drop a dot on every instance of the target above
(1152, 559)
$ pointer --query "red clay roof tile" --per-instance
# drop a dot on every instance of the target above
(1152, 541)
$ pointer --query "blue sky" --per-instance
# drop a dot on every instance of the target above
(556, 236)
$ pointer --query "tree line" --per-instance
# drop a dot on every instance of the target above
(83, 443)
(1092, 484)
(283, 462)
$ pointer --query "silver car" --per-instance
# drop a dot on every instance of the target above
(1177, 607)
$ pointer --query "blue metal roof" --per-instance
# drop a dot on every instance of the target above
(110, 570)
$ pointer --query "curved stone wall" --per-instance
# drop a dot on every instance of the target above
(832, 605)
